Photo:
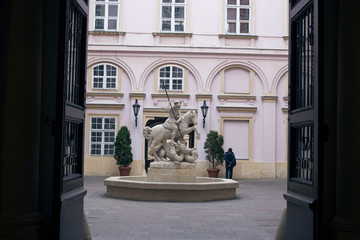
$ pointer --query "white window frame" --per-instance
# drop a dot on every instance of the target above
(173, 5)
(102, 131)
(106, 16)
(171, 78)
(104, 77)
(238, 21)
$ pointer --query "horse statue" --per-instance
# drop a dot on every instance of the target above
(159, 133)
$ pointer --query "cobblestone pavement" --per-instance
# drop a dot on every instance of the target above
(253, 215)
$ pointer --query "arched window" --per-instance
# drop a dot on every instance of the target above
(104, 77)
(172, 77)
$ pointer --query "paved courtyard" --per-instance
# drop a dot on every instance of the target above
(253, 215)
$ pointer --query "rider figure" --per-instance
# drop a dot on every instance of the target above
(174, 119)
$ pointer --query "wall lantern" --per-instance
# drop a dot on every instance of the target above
(204, 110)
(136, 108)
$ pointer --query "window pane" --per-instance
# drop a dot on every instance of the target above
(177, 84)
(179, 1)
(231, 2)
(166, 12)
(96, 136)
(99, 23)
(164, 82)
(99, 10)
(110, 70)
(166, 26)
(179, 26)
(109, 137)
(99, 70)
(244, 2)
(95, 149)
(110, 83)
(231, 14)
(112, 24)
(244, 14)
(106, 137)
(177, 72)
(96, 123)
(165, 72)
(166, 1)
(109, 123)
(244, 27)
(109, 149)
(93, 137)
(179, 12)
(98, 83)
(231, 28)
(113, 10)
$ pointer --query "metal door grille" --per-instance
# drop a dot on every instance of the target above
(304, 154)
(303, 60)
(294, 2)
(71, 145)
(74, 89)
(74, 46)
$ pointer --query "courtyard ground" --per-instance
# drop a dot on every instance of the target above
(253, 215)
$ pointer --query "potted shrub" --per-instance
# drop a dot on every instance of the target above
(123, 154)
(214, 152)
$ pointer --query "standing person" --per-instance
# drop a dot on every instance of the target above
(230, 162)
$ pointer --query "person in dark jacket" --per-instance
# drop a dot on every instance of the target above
(230, 162)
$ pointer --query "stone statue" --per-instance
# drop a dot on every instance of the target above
(177, 152)
(174, 129)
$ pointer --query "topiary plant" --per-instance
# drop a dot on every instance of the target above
(123, 154)
(213, 149)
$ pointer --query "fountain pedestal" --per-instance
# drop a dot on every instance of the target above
(172, 172)
(169, 181)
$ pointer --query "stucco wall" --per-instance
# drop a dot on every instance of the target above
(212, 63)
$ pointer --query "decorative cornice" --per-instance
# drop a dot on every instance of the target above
(171, 34)
(137, 95)
(285, 110)
(104, 106)
(236, 96)
(269, 99)
(106, 33)
(104, 94)
(233, 36)
(203, 96)
(286, 37)
(171, 95)
(236, 109)
(286, 99)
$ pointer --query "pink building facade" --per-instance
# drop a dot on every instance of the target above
(233, 54)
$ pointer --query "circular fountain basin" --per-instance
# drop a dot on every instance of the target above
(140, 188)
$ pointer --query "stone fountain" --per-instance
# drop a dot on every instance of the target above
(172, 175)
